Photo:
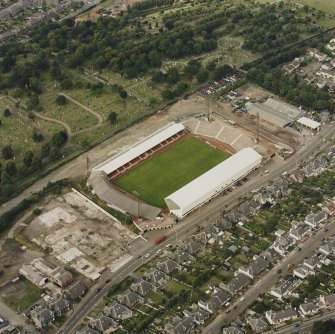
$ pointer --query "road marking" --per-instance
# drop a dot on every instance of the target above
(218, 134)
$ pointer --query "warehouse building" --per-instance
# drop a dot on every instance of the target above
(211, 183)
(276, 112)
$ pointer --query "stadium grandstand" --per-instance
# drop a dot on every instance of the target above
(150, 145)
(214, 181)
(276, 112)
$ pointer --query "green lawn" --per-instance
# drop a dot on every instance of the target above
(327, 6)
(32, 295)
(170, 170)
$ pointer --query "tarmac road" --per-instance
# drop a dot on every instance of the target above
(185, 228)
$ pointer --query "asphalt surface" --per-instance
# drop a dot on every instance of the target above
(206, 214)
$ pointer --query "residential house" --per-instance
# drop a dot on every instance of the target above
(105, 324)
(308, 309)
(168, 266)
(235, 217)
(87, 330)
(117, 311)
(217, 299)
(156, 277)
(183, 258)
(257, 324)
(282, 244)
(223, 223)
(42, 316)
(288, 68)
(327, 301)
(316, 54)
(314, 219)
(328, 247)
(61, 277)
(247, 210)
(329, 208)
(308, 171)
(61, 306)
(183, 325)
(255, 268)
(312, 262)
(297, 176)
(75, 291)
(193, 247)
(236, 284)
(285, 288)
(232, 330)
(264, 197)
(278, 317)
(302, 271)
(299, 230)
(130, 299)
(199, 316)
(142, 287)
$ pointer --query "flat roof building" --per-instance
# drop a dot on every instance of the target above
(211, 183)
(309, 123)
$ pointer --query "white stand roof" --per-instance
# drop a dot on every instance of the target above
(209, 184)
(309, 123)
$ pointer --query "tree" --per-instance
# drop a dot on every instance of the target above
(11, 168)
(112, 117)
(28, 158)
(37, 137)
(202, 76)
(61, 100)
(172, 75)
(66, 83)
(54, 153)
(7, 152)
(59, 139)
(6, 112)
(123, 94)
(158, 76)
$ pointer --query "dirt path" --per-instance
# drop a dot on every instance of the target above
(94, 113)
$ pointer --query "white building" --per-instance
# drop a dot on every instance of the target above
(211, 183)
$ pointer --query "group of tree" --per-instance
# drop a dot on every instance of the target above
(292, 89)
(148, 4)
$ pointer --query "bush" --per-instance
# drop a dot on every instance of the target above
(61, 100)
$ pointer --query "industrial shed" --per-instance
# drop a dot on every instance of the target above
(309, 123)
(211, 183)
(276, 112)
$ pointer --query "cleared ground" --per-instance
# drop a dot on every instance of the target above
(170, 170)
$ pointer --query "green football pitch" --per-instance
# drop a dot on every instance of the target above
(170, 170)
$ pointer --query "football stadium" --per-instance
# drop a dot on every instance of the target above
(171, 169)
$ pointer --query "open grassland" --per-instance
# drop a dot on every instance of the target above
(327, 6)
(170, 170)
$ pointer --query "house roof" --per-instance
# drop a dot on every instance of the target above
(309, 307)
(257, 323)
(258, 266)
(193, 247)
(282, 314)
(129, 298)
(103, 322)
(315, 218)
(231, 330)
(238, 282)
(118, 309)
(167, 266)
(155, 276)
(87, 330)
(76, 290)
(312, 261)
(60, 304)
(141, 286)
(285, 286)
(182, 257)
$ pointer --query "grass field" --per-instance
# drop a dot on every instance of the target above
(327, 6)
(170, 170)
